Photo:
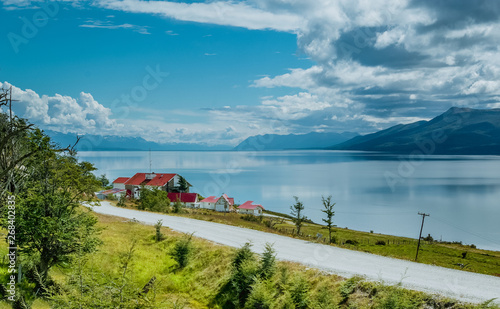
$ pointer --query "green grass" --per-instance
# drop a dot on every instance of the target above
(208, 269)
(440, 254)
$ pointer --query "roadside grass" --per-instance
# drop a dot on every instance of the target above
(208, 269)
(447, 255)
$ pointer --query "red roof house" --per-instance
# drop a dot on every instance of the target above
(249, 208)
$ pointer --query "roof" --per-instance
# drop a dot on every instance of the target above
(249, 205)
(159, 180)
(111, 191)
(183, 197)
(210, 199)
(230, 200)
(121, 180)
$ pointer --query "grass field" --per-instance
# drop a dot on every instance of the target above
(448, 255)
(129, 258)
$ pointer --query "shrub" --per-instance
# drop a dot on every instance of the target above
(121, 200)
(268, 262)
(352, 242)
(182, 251)
(323, 298)
(251, 218)
(259, 297)
(159, 235)
(177, 208)
(299, 292)
(380, 243)
(244, 271)
(348, 287)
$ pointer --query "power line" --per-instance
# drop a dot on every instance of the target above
(468, 232)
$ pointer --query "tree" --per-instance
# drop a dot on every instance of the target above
(153, 199)
(298, 217)
(104, 181)
(51, 226)
(268, 262)
(183, 185)
(328, 205)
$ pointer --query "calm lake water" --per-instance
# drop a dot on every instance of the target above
(373, 191)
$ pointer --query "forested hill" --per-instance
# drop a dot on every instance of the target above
(457, 131)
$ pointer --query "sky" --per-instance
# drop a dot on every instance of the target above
(216, 72)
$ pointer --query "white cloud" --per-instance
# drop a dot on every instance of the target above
(63, 113)
(109, 25)
(237, 14)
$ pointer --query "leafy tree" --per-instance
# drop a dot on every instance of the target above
(183, 185)
(104, 181)
(298, 217)
(153, 199)
(328, 205)
(50, 224)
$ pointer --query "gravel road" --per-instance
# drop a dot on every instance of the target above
(456, 284)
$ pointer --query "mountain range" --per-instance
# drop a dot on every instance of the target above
(457, 131)
(313, 140)
(91, 142)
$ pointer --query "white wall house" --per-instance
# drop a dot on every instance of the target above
(209, 202)
(221, 204)
(250, 209)
(119, 183)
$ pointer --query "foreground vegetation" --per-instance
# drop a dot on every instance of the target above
(450, 255)
(132, 269)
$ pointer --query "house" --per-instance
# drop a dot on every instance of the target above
(188, 199)
(165, 182)
(222, 203)
(250, 209)
(209, 202)
(119, 183)
(115, 192)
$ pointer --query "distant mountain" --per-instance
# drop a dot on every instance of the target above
(118, 143)
(457, 131)
(313, 140)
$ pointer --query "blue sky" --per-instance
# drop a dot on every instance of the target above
(216, 72)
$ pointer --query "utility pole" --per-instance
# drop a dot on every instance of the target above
(421, 228)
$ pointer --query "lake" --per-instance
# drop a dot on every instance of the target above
(373, 191)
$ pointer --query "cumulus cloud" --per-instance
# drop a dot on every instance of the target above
(375, 60)
(63, 113)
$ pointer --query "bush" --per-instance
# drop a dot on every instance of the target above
(352, 242)
(251, 218)
(299, 292)
(182, 251)
(121, 200)
(268, 262)
(159, 235)
(154, 200)
(380, 243)
(177, 208)
(259, 297)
